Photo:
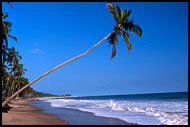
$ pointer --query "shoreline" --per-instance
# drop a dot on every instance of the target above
(78, 117)
(24, 114)
(30, 112)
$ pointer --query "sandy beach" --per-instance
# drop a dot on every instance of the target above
(23, 114)
(29, 112)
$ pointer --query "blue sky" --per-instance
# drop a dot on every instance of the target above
(51, 33)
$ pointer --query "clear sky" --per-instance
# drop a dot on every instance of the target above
(51, 33)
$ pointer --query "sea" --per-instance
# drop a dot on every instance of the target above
(142, 109)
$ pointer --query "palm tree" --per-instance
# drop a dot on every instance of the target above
(13, 58)
(122, 21)
(4, 77)
(4, 67)
(26, 91)
(10, 85)
(19, 73)
(6, 25)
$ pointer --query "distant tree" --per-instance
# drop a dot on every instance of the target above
(13, 60)
(19, 72)
(67, 95)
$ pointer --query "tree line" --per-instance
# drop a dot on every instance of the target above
(13, 71)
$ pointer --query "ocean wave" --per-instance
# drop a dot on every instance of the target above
(140, 112)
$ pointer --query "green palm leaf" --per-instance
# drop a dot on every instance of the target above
(13, 37)
(128, 25)
(137, 30)
(129, 13)
(7, 23)
(126, 39)
(4, 15)
(111, 38)
(19, 57)
(125, 11)
(114, 46)
(5, 28)
(112, 10)
(9, 30)
(124, 18)
(120, 12)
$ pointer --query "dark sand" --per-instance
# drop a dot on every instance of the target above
(24, 114)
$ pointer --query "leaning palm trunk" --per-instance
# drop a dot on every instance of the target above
(23, 88)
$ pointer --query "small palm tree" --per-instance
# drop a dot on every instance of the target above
(122, 21)
(19, 73)
(6, 25)
(13, 59)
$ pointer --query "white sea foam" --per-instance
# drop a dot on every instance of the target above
(140, 112)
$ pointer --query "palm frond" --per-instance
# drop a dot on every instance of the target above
(4, 15)
(126, 39)
(24, 70)
(111, 38)
(125, 11)
(13, 37)
(114, 46)
(137, 30)
(6, 43)
(9, 30)
(112, 10)
(113, 51)
(5, 28)
(124, 18)
(120, 12)
(7, 23)
(129, 13)
(128, 25)
(18, 57)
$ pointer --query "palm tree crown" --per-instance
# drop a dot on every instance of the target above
(123, 24)
(6, 25)
(13, 58)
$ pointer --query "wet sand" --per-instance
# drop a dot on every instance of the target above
(34, 112)
(24, 114)
(77, 117)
